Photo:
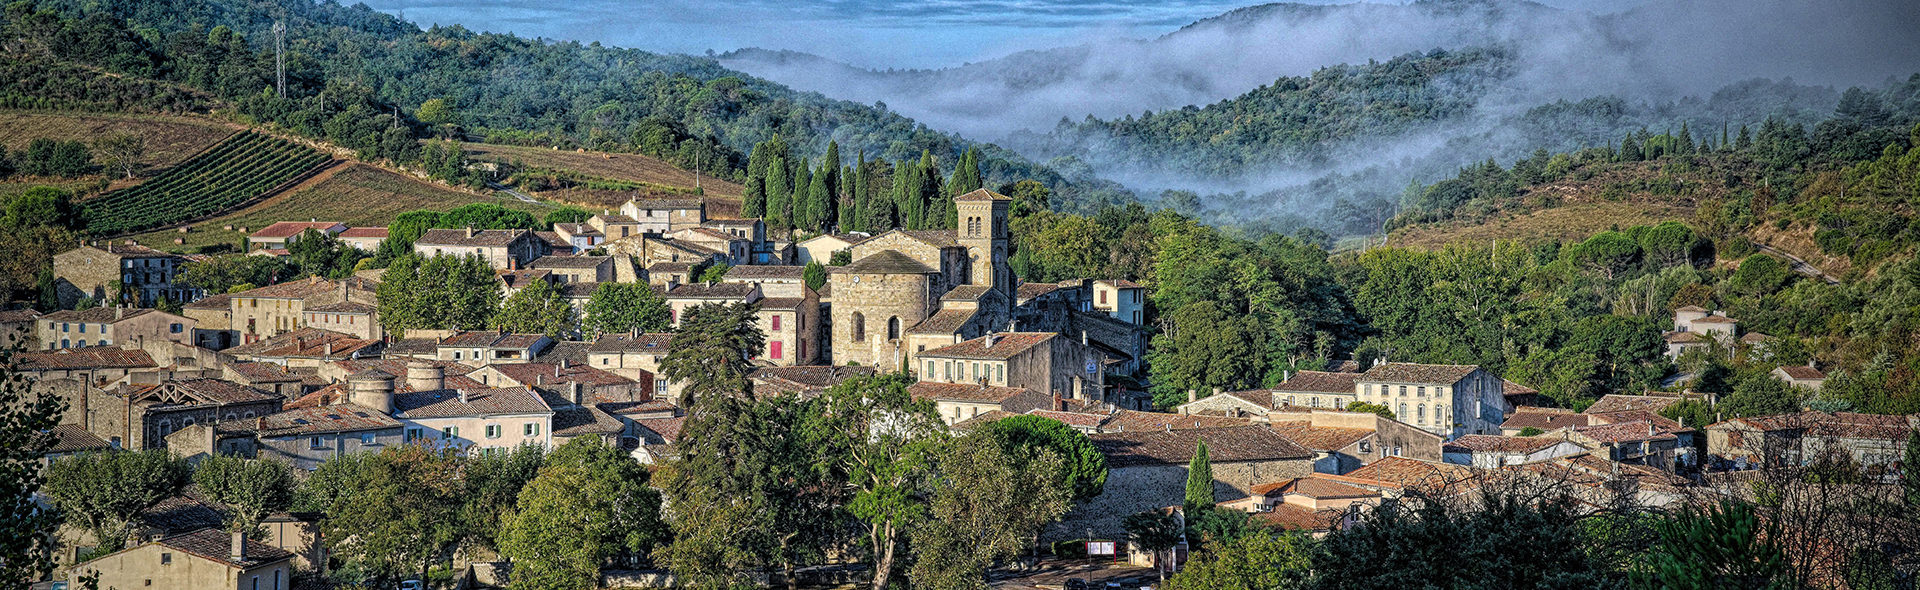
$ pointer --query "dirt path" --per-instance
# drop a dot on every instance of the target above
(1798, 265)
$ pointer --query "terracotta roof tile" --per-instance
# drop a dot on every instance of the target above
(1314, 486)
(1175, 447)
(1079, 419)
(1489, 443)
(97, 315)
(221, 302)
(182, 513)
(263, 372)
(966, 293)
(1616, 402)
(644, 343)
(1295, 518)
(1137, 421)
(552, 374)
(1414, 473)
(804, 379)
(480, 238)
(288, 229)
(1620, 432)
(364, 232)
(545, 262)
(1004, 346)
(728, 291)
(667, 428)
(945, 321)
(343, 307)
(1031, 290)
(447, 403)
(766, 272)
(1417, 373)
(584, 420)
(1511, 388)
(98, 357)
(1321, 438)
(1802, 372)
(983, 419)
(982, 194)
(14, 316)
(72, 438)
(1319, 382)
(345, 417)
(966, 392)
(1544, 419)
(216, 545)
(884, 262)
(306, 342)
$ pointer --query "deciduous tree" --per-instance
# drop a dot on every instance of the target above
(252, 489)
(105, 492)
(626, 307)
(26, 528)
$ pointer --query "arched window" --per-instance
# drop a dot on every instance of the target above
(166, 427)
(893, 328)
(859, 327)
(1403, 411)
(1422, 413)
(231, 417)
(248, 415)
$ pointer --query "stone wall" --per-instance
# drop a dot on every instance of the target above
(1135, 489)
(876, 299)
(298, 451)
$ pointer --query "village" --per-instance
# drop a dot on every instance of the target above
(304, 372)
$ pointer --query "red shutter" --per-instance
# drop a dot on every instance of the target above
(776, 321)
(773, 348)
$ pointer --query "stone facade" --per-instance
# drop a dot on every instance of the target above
(140, 274)
(1449, 400)
(501, 248)
(102, 326)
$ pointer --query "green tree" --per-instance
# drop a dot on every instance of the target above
(988, 505)
(872, 435)
(41, 206)
(1203, 347)
(814, 274)
(780, 192)
(252, 489)
(1199, 480)
(589, 504)
(744, 490)
(538, 308)
(616, 308)
(1605, 254)
(26, 531)
(710, 350)
(1380, 409)
(1760, 394)
(1086, 468)
(398, 514)
(1208, 528)
(1725, 546)
(120, 153)
(1249, 562)
(1537, 541)
(104, 493)
(491, 485)
(1155, 531)
(715, 273)
(1759, 275)
(1690, 413)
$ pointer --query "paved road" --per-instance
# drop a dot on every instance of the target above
(510, 191)
(1798, 265)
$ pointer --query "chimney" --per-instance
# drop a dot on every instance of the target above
(1083, 337)
(1286, 376)
(469, 231)
(239, 551)
(463, 396)
(513, 263)
(556, 370)
(1216, 391)
(990, 340)
(329, 349)
(1192, 396)
(259, 423)
(576, 393)
(1059, 405)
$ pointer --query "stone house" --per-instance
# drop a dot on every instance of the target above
(306, 437)
(821, 248)
(364, 239)
(360, 320)
(141, 275)
(213, 322)
(269, 377)
(957, 402)
(564, 378)
(614, 227)
(1041, 361)
(1343, 441)
(1801, 376)
(501, 248)
(1319, 389)
(576, 269)
(97, 366)
(1449, 400)
(491, 418)
(1120, 299)
(660, 216)
(774, 280)
(284, 233)
(1488, 451)
(680, 299)
(106, 326)
(1636, 442)
(139, 417)
(1873, 441)
(19, 328)
(1147, 470)
(277, 309)
(897, 280)
(735, 250)
(305, 348)
(668, 275)
(487, 348)
(208, 558)
(637, 357)
(583, 237)
(1317, 504)
(1695, 327)
(792, 327)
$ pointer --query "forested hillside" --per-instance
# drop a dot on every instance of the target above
(371, 82)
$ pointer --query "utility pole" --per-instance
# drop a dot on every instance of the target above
(280, 58)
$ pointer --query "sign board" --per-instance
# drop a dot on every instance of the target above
(1100, 547)
(1092, 366)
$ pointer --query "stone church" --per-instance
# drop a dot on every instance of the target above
(907, 291)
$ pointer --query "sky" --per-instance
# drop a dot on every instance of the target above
(875, 34)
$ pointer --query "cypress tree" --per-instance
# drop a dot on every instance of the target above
(819, 202)
(779, 194)
(1684, 144)
(1199, 480)
(906, 195)
(802, 179)
(1630, 149)
(966, 174)
(831, 166)
(753, 203)
(1744, 141)
(844, 211)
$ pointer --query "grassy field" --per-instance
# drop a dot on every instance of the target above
(354, 194)
(632, 167)
(169, 139)
(1566, 224)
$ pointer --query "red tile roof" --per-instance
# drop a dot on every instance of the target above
(1295, 518)
(345, 417)
(546, 374)
(1488, 443)
(263, 372)
(305, 342)
(884, 262)
(667, 428)
(1620, 432)
(1004, 346)
(644, 343)
(216, 545)
(98, 315)
(966, 392)
(1176, 447)
(364, 232)
(1070, 418)
(1797, 372)
(495, 238)
(1417, 373)
(1321, 438)
(945, 321)
(1319, 382)
(982, 194)
(287, 229)
(1314, 486)
(1616, 402)
(98, 357)
(72, 438)
(1136, 421)
(1543, 418)
(1414, 473)
(803, 379)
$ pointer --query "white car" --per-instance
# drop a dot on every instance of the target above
(413, 585)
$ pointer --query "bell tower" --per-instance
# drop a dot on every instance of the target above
(982, 229)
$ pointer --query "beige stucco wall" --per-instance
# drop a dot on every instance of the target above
(140, 567)
(153, 325)
(1472, 405)
(472, 431)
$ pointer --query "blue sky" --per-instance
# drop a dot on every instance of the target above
(870, 33)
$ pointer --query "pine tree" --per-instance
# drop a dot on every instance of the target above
(1684, 144)
(1199, 480)
(779, 194)
(1630, 149)
(1743, 142)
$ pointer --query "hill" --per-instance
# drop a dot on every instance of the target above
(169, 140)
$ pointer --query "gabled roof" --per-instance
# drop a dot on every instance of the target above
(1076, 419)
(1137, 421)
(1320, 438)
(364, 232)
(967, 392)
(288, 229)
(1318, 382)
(940, 238)
(1617, 402)
(221, 302)
(806, 378)
(1417, 373)
(448, 403)
(1414, 473)
(945, 321)
(982, 194)
(305, 421)
(1620, 432)
(966, 293)
(1802, 372)
(766, 272)
(182, 513)
(728, 291)
(667, 428)
(666, 203)
(1119, 283)
(1683, 338)
(546, 374)
(215, 545)
(644, 343)
(14, 316)
(1004, 346)
(1488, 443)
(1032, 290)
(98, 357)
(1176, 447)
(72, 438)
(1509, 388)
(305, 342)
(1663, 423)
(782, 303)
(263, 372)
(884, 262)
(1543, 418)
(97, 315)
(1314, 486)
(481, 238)
(186, 392)
(304, 288)
(569, 262)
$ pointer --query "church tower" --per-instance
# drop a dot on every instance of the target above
(982, 229)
